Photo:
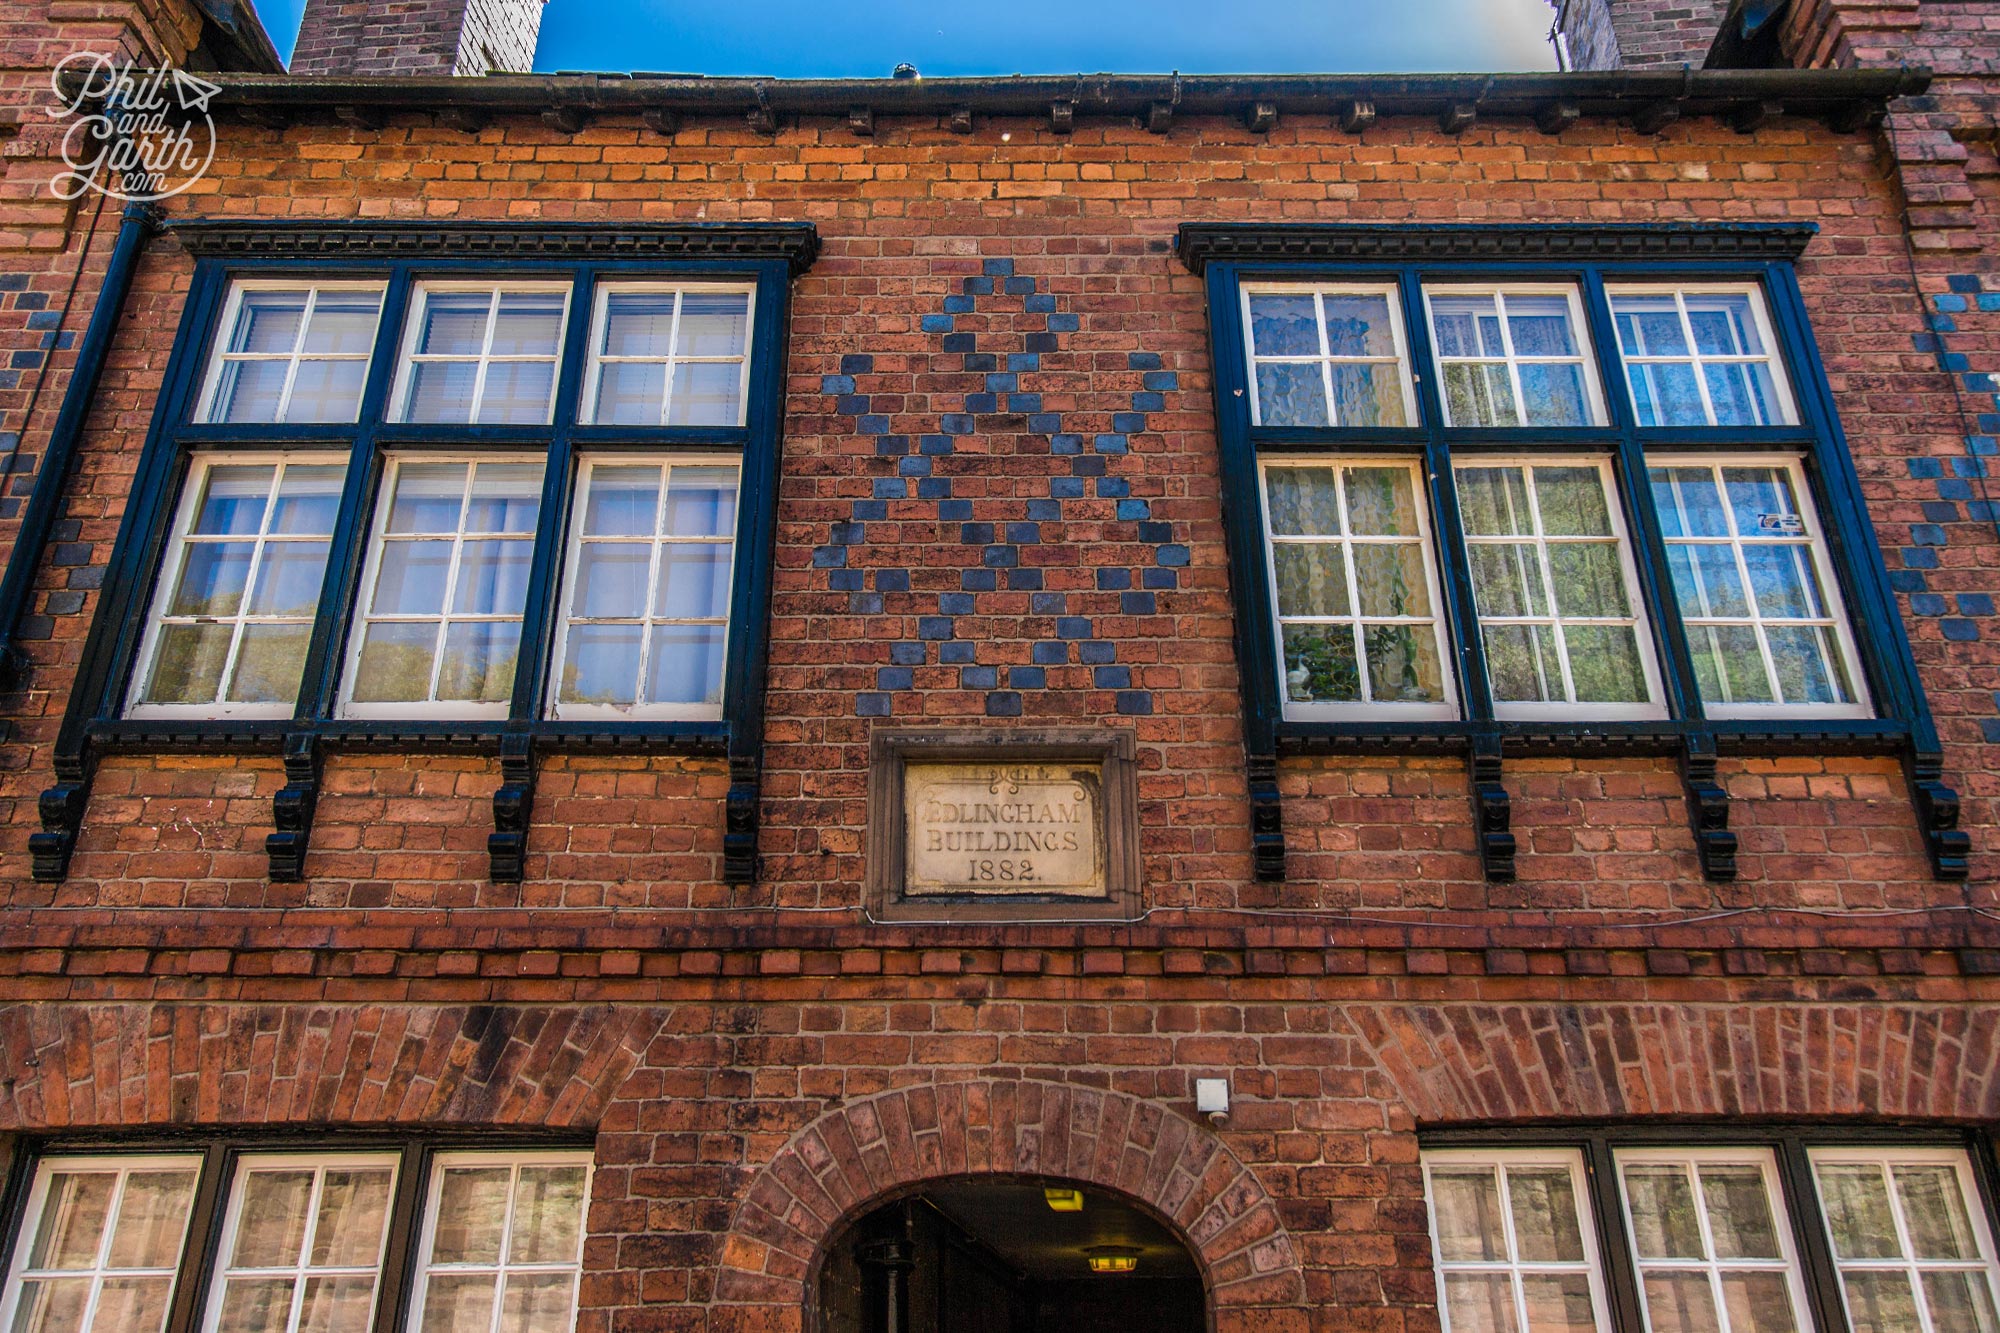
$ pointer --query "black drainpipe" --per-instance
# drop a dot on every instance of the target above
(45, 502)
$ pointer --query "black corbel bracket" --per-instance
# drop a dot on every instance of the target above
(1493, 812)
(292, 809)
(739, 832)
(1937, 817)
(1267, 819)
(1708, 809)
(62, 809)
(513, 810)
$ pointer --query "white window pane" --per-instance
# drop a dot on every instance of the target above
(1739, 1213)
(1359, 325)
(694, 582)
(103, 1233)
(152, 1215)
(1467, 326)
(1507, 579)
(1480, 1302)
(74, 1215)
(529, 323)
(1757, 1302)
(343, 323)
(1880, 1301)
(289, 578)
(1367, 394)
(548, 1215)
(1540, 326)
(213, 579)
(538, 1303)
(1522, 664)
(52, 1305)
(1494, 501)
(132, 1304)
(611, 580)
(1606, 664)
(325, 391)
(506, 497)
(233, 500)
(251, 392)
(631, 393)
(428, 497)
(1283, 324)
(412, 578)
(1589, 580)
(454, 323)
(308, 500)
(1572, 502)
(1321, 665)
(472, 1215)
(493, 577)
(1465, 1209)
(188, 665)
(1856, 1202)
(1934, 1211)
(602, 665)
(623, 502)
(455, 1302)
(255, 1305)
(714, 324)
(686, 665)
(1689, 502)
(1312, 579)
(1666, 394)
(1381, 501)
(480, 659)
(701, 502)
(340, 1303)
(517, 393)
(638, 324)
(1403, 664)
(1666, 1220)
(1649, 326)
(353, 1210)
(269, 661)
(1960, 1302)
(395, 664)
(1479, 395)
(1558, 1303)
(706, 393)
(441, 392)
(268, 321)
(1390, 579)
(1302, 501)
(1680, 1302)
(1545, 1216)
(272, 1228)
(1291, 393)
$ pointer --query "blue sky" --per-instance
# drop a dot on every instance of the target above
(817, 39)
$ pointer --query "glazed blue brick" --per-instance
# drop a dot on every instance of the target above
(1975, 604)
(1113, 580)
(934, 627)
(978, 580)
(870, 511)
(1111, 678)
(1042, 304)
(997, 268)
(891, 488)
(1088, 466)
(1918, 557)
(934, 444)
(1045, 423)
(958, 342)
(851, 404)
(829, 557)
(895, 678)
(1048, 604)
(1160, 381)
(888, 446)
(1113, 488)
(32, 301)
(978, 286)
(1127, 423)
(958, 654)
(1927, 604)
(1066, 445)
(856, 364)
(1937, 511)
(1968, 467)
(1978, 383)
(951, 511)
(1024, 534)
(1024, 402)
(1064, 323)
(1135, 703)
(1066, 488)
(846, 580)
(1132, 509)
(1096, 654)
(1989, 423)
(1927, 534)
(1952, 304)
(844, 534)
(892, 580)
(1156, 532)
(1072, 627)
(1002, 382)
(1979, 511)
(957, 603)
(1023, 361)
(914, 467)
(1111, 444)
(1050, 654)
(1908, 580)
(1044, 511)
(1027, 678)
(1138, 603)
(934, 488)
(975, 534)
(836, 384)
(1000, 557)
(1003, 703)
(980, 361)
(1954, 361)
(1925, 342)
(1989, 301)
(906, 654)
(872, 705)
(978, 677)
(1959, 631)
(1040, 342)
(980, 402)
(1143, 360)
(13, 282)
(958, 305)
(1963, 282)
(1985, 446)
(1173, 556)
(1989, 728)
(955, 423)
(873, 425)
(1944, 324)
(1020, 286)
(1148, 402)
(937, 323)
(1024, 580)
(1952, 488)
(1924, 468)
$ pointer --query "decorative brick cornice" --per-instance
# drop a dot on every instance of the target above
(1202, 243)
(797, 243)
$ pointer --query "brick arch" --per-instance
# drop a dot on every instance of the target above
(865, 1152)
(172, 1064)
(1511, 1062)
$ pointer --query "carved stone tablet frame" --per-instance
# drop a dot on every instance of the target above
(1111, 753)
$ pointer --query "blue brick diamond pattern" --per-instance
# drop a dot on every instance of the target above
(1004, 404)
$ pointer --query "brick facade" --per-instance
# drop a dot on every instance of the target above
(1639, 34)
(413, 37)
(997, 351)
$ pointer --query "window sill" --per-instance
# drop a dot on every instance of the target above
(1884, 736)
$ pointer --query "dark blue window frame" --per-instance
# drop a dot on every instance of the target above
(1229, 256)
(765, 256)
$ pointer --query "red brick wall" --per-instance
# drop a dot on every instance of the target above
(415, 37)
(1639, 34)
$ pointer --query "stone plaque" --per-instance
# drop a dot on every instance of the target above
(1003, 828)
(1002, 824)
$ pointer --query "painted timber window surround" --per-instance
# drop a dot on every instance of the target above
(1687, 1230)
(1493, 487)
(350, 1236)
(412, 484)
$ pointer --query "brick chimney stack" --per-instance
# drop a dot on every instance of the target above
(417, 37)
(1639, 34)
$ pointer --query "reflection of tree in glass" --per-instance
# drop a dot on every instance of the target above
(1319, 668)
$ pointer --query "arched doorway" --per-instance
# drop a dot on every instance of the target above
(995, 1254)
